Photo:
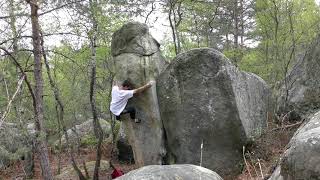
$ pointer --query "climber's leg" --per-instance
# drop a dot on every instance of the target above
(132, 112)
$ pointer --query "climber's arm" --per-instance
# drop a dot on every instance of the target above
(115, 83)
(143, 88)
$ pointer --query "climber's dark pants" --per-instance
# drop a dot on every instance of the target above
(126, 110)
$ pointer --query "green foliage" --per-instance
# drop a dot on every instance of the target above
(71, 75)
(253, 62)
(194, 27)
(70, 66)
(168, 50)
(235, 54)
(89, 141)
(285, 29)
(9, 76)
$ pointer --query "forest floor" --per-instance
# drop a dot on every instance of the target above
(261, 157)
(15, 171)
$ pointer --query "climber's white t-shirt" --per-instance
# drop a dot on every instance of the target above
(119, 99)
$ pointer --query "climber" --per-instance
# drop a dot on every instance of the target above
(120, 95)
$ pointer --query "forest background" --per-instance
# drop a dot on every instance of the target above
(72, 39)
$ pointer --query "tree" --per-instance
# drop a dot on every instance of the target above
(175, 18)
(60, 111)
(284, 29)
(41, 144)
(96, 123)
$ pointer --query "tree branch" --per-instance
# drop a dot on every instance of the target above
(59, 7)
(5, 114)
(21, 71)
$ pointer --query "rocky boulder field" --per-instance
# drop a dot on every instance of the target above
(203, 118)
(201, 97)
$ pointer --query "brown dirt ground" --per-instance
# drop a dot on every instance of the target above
(265, 151)
(15, 170)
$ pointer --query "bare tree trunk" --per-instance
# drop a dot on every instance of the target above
(276, 29)
(175, 18)
(74, 129)
(242, 11)
(150, 12)
(236, 24)
(60, 112)
(236, 31)
(211, 21)
(177, 21)
(97, 127)
(41, 143)
(171, 11)
(196, 29)
(60, 142)
(10, 100)
(13, 26)
(292, 53)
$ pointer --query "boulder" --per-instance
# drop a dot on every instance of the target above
(204, 98)
(14, 143)
(171, 172)
(134, 38)
(125, 152)
(300, 91)
(69, 173)
(84, 132)
(301, 160)
(137, 58)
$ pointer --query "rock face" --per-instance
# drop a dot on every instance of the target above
(204, 98)
(84, 131)
(302, 158)
(125, 152)
(303, 84)
(137, 57)
(171, 172)
(134, 38)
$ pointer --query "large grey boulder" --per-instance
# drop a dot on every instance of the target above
(300, 92)
(171, 172)
(137, 57)
(204, 98)
(84, 132)
(134, 38)
(301, 160)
